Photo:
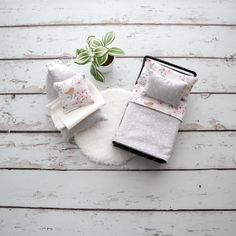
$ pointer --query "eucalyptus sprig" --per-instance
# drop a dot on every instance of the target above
(97, 52)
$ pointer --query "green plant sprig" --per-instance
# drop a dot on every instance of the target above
(97, 52)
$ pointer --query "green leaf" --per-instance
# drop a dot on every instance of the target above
(93, 70)
(100, 51)
(116, 52)
(102, 60)
(96, 73)
(99, 76)
(89, 39)
(89, 50)
(95, 62)
(82, 58)
(94, 43)
(79, 50)
(108, 38)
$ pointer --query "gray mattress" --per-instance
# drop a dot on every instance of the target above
(147, 132)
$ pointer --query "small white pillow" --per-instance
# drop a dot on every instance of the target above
(166, 90)
(73, 93)
(56, 72)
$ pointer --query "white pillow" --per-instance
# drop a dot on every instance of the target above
(56, 72)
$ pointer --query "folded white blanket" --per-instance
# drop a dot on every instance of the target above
(69, 120)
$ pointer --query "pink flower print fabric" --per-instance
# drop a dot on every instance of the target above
(138, 94)
(73, 93)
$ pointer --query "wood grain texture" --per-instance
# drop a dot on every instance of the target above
(119, 189)
(28, 112)
(136, 40)
(50, 222)
(29, 76)
(199, 35)
(26, 12)
(193, 150)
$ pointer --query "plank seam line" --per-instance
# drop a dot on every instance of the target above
(44, 93)
(117, 209)
(55, 131)
(118, 170)
(28, 131)
(231, 58)
(119, 24)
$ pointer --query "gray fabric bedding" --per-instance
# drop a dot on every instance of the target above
(86, 123)
(147, 132)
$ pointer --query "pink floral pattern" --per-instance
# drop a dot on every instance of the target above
(138, 94)
(73, 93)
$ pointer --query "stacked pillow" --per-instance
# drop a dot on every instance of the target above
(57, 72)
(73, 93)
(74, 101)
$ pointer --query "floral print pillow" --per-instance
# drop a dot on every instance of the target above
(73, 93)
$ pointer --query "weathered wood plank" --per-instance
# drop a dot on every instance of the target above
(19, 76)
(193, 150)
(205, 112)
(142, 11)
(210, 111)
(119, 189)
(137, 40)
(46, 222)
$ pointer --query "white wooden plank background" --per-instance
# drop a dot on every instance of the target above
(23, 78)
(26, 12)
(41, 170)
(33, 114)
(194, 150)
(152, 190)
(136, 40)
(50, 222)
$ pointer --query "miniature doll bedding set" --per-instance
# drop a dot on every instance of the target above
(74, 102)
(144, 121)
(92, 122)
(155, 110)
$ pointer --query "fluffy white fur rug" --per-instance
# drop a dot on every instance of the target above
(96, 142)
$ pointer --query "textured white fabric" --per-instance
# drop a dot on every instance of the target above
(96, 142)
(53, 106)
(86, 123)
(71, 119)
(148, 131)
(56, 72)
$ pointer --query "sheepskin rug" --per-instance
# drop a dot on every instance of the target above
(96, 142)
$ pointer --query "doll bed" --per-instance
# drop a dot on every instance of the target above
(150, 127)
